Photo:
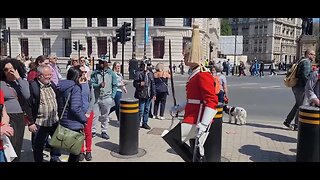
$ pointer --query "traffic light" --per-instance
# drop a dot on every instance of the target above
(211, 48)
(75, 45)
(127, 31)
(5, 35)
(119, 35)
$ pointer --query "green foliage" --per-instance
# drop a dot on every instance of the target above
(225, 29)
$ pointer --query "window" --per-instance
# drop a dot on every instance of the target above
(45, 23)
(256, 29)
(102, 46)
(246, 49)
(3, 23)
(133, 24)
(235, 31)
(159, 21)
(46, 47)
(133, 43)
(114, 47)
(114, 22)
(67, 24)
(67, 47)
(102, 22)
(3, 48)
(89, 22)
(24, 46)
(23, 23)
(187, 22)
(185, 40)
(89, 45)
(158, 47)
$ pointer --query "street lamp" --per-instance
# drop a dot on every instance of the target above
(109, 44)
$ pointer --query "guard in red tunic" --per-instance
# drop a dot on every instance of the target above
(200, 105)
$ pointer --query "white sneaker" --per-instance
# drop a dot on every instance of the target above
(161, 118)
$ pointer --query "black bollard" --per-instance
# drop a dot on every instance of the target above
(308, 134)
(129, 126)
(212, 146)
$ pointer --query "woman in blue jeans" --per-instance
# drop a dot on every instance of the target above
(121, 86)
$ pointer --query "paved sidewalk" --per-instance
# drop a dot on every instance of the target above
(253, 142)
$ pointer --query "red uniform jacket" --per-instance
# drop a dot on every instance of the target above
(199, 87)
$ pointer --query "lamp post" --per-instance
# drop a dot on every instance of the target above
(235, 46)
(109, 44)
(145, 39)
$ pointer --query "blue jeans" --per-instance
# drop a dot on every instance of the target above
(221, 96)
(116, 107)
(144, 107)
(2, 156)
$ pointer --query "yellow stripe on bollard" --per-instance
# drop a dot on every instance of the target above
(218, 116)
(129, 105)
(309, 121)
(129, 111)
(309, 114)
(219, 109)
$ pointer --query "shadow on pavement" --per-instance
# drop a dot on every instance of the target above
(170, 150)
(259, 155)
(108, 145)
(265, 126)
(114, 123)
(278, 137)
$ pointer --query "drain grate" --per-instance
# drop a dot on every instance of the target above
(156, 131)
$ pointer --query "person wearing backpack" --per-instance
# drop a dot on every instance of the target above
(303, 72)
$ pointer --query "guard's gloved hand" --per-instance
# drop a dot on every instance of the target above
(201, 129)
(176, 109)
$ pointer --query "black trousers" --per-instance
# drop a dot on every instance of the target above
(160, 98)
(18, 125)
(40, 138)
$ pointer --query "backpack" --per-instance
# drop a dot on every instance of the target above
(291, 80)
(217, 85)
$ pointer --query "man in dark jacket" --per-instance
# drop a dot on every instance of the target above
(145, 92)
(303, 72)
(44, 120)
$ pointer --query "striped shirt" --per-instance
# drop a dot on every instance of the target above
(48, 107)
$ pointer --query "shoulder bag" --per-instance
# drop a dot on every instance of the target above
(67, 139)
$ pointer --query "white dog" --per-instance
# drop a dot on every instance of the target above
(238, 113)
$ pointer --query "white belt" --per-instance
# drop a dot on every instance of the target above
(194, 101)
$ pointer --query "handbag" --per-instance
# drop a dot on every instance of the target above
(67, 139)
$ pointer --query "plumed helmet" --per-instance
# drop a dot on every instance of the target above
(192, 50)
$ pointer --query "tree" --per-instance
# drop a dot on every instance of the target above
(225, 29)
